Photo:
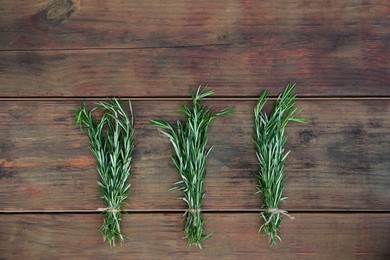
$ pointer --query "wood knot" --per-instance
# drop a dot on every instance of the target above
(223, 36)
(306, 136)
(4, 172)
(57, 11)
(358, 133)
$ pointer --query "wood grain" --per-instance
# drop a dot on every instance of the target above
(232, 71)
(159, 236)
(75, 24)
(68, 50)
(330, 48)
(339, 161)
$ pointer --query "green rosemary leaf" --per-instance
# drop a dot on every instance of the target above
(269, 142)
(189, 141)
(161, 124)
(112, 144)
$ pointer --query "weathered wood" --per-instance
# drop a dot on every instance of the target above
(72, 48)
(75, 24)
(329, 47)
(230, 70)
(159, 236)
(340, 160)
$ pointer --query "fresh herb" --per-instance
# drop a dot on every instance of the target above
(189, 141)
(112, 143)
(270, 140)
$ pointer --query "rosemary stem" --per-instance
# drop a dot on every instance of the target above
(112, 143)
(269, 142)
(189, 141)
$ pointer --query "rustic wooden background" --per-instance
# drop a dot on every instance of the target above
(54, 54)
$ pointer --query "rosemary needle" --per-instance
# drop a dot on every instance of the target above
(269, 142)
(112, 143)
(189, 141)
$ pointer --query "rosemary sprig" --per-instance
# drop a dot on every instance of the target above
(270, 140)
(112, 143)
(189, 141)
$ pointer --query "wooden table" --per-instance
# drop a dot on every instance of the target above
(54, 55)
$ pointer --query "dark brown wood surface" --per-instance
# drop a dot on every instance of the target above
(337, 162)
(54, 54)
(160, 48)
(232, 71)
(75, 24)
(159, 236)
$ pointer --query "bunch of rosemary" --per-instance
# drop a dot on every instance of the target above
(270, 140)
(189, 141)
(112, 143)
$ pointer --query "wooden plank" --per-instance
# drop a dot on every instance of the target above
(330, 48)
(159, 236)
(232, 71)
(70, 24)
(338, 161)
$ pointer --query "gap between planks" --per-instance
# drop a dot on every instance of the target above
(207, 211)
(312, 98)
(118, 48)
